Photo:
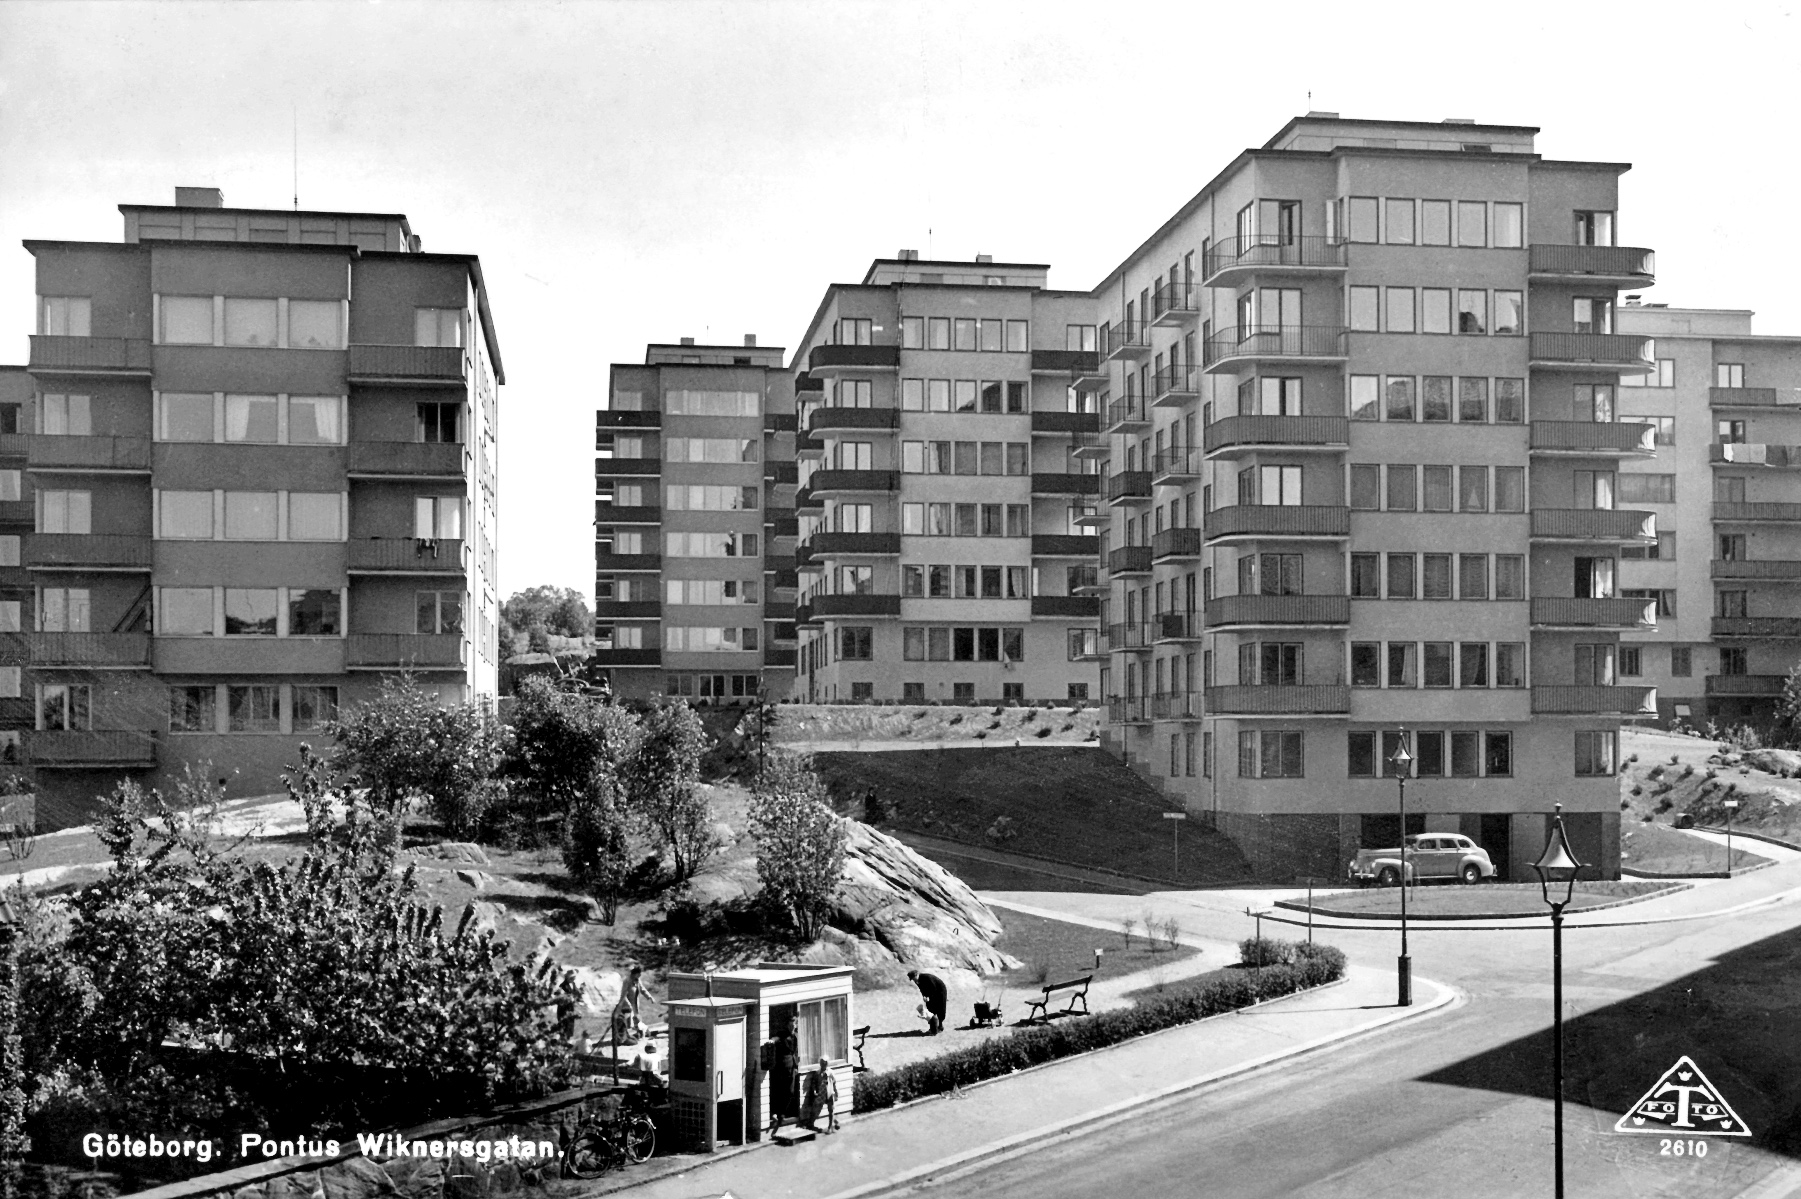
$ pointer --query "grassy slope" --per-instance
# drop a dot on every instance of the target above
(1660, 849)
(1072, 804)
(1663, 776)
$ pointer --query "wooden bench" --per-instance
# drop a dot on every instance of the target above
(862, 1035)
(1078, 993)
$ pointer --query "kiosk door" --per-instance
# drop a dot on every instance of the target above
(728, 1061)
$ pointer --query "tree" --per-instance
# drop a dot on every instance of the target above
(404, 747)
(561, 738)
(661, 783)
(547, 609)
(800, 843)
(596, 844)
(1788, 712)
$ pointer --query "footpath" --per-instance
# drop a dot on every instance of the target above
(883, 1151)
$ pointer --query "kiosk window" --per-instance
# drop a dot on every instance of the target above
(688, 1054)
(820, 1029)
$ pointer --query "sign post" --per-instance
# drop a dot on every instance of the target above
(1729, 805)
(1176, 828)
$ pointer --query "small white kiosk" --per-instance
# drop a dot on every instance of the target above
(772, 1000)
(708, 1069)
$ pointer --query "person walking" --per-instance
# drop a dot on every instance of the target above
(822, 1092)
(937, 999)
(784, 1082)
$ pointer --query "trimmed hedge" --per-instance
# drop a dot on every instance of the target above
(1306, 966)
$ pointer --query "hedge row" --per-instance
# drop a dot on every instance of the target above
(1309, 966)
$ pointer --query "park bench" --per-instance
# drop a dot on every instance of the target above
(862, 1035)
(1078, 993)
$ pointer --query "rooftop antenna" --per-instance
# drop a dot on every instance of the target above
(296, 158)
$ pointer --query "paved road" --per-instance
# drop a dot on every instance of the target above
(1459, 1104)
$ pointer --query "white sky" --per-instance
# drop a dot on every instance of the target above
(645, 171)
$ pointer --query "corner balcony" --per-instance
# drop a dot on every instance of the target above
(406, 460)
(1174, 387)
(1766, 570)
(1175, 304)
(853, 545)
(862, 420)
(52, 355)
(1234, 436)
(1176, 545)
(839, 607)
(1607, 266)
(808, 446)
(1176, 705)
(1596, 701)
(1770, 685)
(1180, 626)
(80, 651)
(1131, 637)
(1129, 709)
(1073, 363)
(1307, 700)
(1064, 545)
(96, 454)
(408, 366)
(1565, 612)
(1128, 414)
(1235, 348)
(1758, 628)
(1176, 467)
(1129, 560)
(1236, 259)
(1594, 525)
(1063, 483)
(1294, 522)
(1129, 487)
(1755, 454)
(1069, 606)
(1755, 513)
(1592, 439)
(404, 556)
(396, 651)
(83, 749)
(87, 551)
(828, 361)
(1285, 611)
(849, 482)
(1053, 423)
(1125, 340)
(806, 501)
(1786, 399)
(1623, 353)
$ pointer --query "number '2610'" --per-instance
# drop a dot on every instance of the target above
(1679, 1148)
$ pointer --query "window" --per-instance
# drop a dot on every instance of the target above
(437, 326)
(1271, 753)
(820, 1029)
(313, 707)
(1729, 374)
(1510, 664)
(965, 333)
(1472, 311)
(1734, 660)
(65, 511)
(1361, 219)
(185, 514)
(1497, 754)
(1400, 222)
(1510, 314)
(1510, 401)
(254, 709)
(1631, 661)
(187, 320)
(1366, 664)
(1472, 576)
(1018, 339)
(65, 415)
(64, 707)
(1435, 398)
(1399, 393)
(1596, 751)
(856, 644)
(314, 613)
(1400, 576)
(250, 611)
(1400, 309)
(1435, 489)
(1360, 755)
(1435, 222)
(1472, 400)
(1594, 665)
(1279, 485)
(1592, 314)
(1472, 488)
(438, 612)
(1510, 576)
(1435, 577)
(1366, 577)
(186, 417)
(1466, 748)
(1401, 493)
(1435, 310)
(1681, 661)
(193, 709)
(1472, 664)
(1472, 223)
(1365, 316)
(713, 403)
(72, 316)
(436, 517)
(1366, 397)
(1510, 489)
(313, 420)
(1647, 489)
(434, 422)
(1079, 337)
(252, 418)
(1366, 487)
(251, 322)
(1594, 228)
(250, 515)
(1401, 671)
(64, 610)
(1437, 664)
(313, 324)
(1510, 225)
(185, 612)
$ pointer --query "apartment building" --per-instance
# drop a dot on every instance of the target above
(259, 451)
(694, 523)
(1364, 461)
(947, 550)
(1726, 487)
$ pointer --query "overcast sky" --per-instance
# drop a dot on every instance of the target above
(641, 172)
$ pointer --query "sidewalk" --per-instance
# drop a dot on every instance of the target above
(884, 1150)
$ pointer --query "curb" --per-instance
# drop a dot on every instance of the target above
(1739, 832)
(1095, 1121)
(1395, 918)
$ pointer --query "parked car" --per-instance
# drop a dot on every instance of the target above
(1429, 856)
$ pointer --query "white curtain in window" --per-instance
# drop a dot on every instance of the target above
(252, 418)
(313, 420)
(313, 325)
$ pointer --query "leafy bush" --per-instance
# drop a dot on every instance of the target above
(561, 741)
(404, 747)
(1039, 1044)
(1262, 951)
(662, 786)
(800, 843)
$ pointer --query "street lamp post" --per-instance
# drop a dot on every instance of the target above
(1557, 867)
(1401, 760)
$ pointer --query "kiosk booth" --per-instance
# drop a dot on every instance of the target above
(731, 1016)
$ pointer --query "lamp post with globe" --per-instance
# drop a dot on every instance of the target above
(1557, 868)
(1402, 762)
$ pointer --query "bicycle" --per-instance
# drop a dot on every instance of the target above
(610, 1136)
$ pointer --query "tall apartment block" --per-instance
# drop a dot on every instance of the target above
(1364, 471)
(946, 548)
(258, 450)
(1726, 488)
(694, 522)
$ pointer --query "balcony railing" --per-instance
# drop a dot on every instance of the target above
(1740, 513)
(835, 607)
(408, 459)
(1129, 560)
(92, 747)
(1746, 684)
(1176, 543)
(1133, 635)
(1605, 701)
(852, 544)
(1325, 699)
(1788, 398)
(88, 453)
(627, 609)
(425, 651)
(1278, 610)
(1176, 466)
(780, 422)
(1129, 485)
(1271, 252)
(1275, 343)
(1127, 413)
(1591, 350)
(1767, 569)
(1279, 521)
(1773, 628)
(1065, 362)
(1251, 432)
(1125, 339)
(404, 555)
(1063, 483)
(1756, 453)
(19, 512)
(1174, 386)
(114, 651)
(1129, 709)
(1567, 612)
(407, 364)
(87, 551)
(1180, 626)
(89, 355)
(1066, 422)
(831, 359)
(1592, 437)
(1629, 266)
(852, 480)
(1064, 545)
(853, 418)
(606, 468)
(1176, 705)
(1593, 524)
(1087, 606)
(634, 656)
(1175, 303)
(614, 514)
(808, 446)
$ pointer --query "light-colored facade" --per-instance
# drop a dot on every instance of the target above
(1359, 481)
(694, 524)
(1726, 488)
(261, 447)
(945, 554)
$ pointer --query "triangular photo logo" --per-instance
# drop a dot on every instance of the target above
(1684, 1103)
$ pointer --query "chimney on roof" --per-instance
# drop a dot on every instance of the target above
(750, 340)
(687, 341)
(1321, 115)
(199, 197)
(984, 258)
(1634, 301)
(908, 255)
(1460, 120)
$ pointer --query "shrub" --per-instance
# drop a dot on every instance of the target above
(561, 739)
(661, 786)
(800, 843)
(405, 747)
(1033, 1046)
(1263, 951)
(1043, 731)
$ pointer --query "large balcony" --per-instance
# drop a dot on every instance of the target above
(836, 482)
(1565, 612)
(1770, 685)
(1064, 545)
(852, 545)
(81, 749)
(1176, 705)
(1075, 606)
(1758, 628)
(616, 514)
(415, 366)
(87, 551)
(1252, 611)
(1175, 467)
(406, 459)
(404, 556)
(92, 651)
(393, 651)
(864, 420)
(1324, 699)
(827, 361)
(1051, 423)
(1755, 454)
(1312, 522)
(1125, 339)
(248, 657)
(1175, 386)
(52, 355)
(1244, 345)
(1627, 353)
(1598, 701)
(1128, 414)
(1593, 525)
(1174, 545)
(1179, 626)
(1132, 636)
(1074, 363)
(1129, 487)
(1767, 570)
(97, 454)
(1129, 560)
(838, 607)
(1757, 512)
(1607, 266)
(1175, 303)
(1063, 483)
(1235, 259)
(1592, 439)
(1232, 436)
(1781, 398)
(1129, 709)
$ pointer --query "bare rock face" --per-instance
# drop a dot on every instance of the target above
(1773, 761)
(919, 911)
(465, 853)
(599, 989)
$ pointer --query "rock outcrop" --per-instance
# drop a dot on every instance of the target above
(916, 909)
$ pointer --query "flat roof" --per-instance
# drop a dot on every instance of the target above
(318, 212)
(1366, 122)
